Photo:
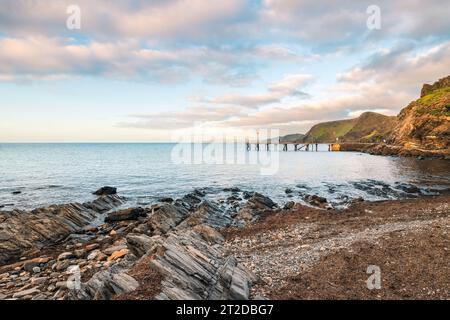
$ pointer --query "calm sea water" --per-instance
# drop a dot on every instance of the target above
(60, 173)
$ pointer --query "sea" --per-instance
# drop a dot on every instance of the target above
(41, 174)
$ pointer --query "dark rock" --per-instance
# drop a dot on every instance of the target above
(234, 198)
(104, 191)
(199, 193)
(16, 192)
(233, 189)
(190, 201)
(166, 200)
(408, 188)
(289, 205)
(288, 191)
(316, 201)
(261, 201)
(127, 214)
(247, 194)
(255, 206)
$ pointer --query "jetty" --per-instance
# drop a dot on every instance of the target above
(290, 146)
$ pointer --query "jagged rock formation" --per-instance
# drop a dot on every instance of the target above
(195, 268)
(425, 123)
(25, 230)
(429, 88)
(181, 243)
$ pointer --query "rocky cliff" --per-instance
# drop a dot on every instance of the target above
(425, 123)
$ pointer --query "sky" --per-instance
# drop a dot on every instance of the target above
(138, 71)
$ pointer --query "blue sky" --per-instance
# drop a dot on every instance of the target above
(139, 70)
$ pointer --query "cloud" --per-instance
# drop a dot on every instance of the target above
(402, 69)
(160, 20)
(357, 113)
(43, 58)
(385, 83)
(329, 25)
(289, 86)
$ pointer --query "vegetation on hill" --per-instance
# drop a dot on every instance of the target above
(329, 131)
(370, 127)
(292, 138)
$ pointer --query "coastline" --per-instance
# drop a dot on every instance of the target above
(159, 251)
(395, 150)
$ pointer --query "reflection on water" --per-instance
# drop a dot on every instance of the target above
(59, 173)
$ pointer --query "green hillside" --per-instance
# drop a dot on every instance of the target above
(329, 131)
(293, 138)
(368, 127)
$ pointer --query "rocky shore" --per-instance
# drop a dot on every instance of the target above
(384, 149)
(91, 250)
(244, 247)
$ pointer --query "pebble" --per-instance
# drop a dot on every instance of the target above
(39, 280)
(118, 254)
(36, 270)
(92, 246)
(109, 251)
(25, 293)
(65, 256)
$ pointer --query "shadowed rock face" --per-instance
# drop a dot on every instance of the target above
(25, 230)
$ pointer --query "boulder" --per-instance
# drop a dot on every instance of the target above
(66, 255)
(139, 244)
(127, 214)
(105, 191)
(165, 218)
(104, 285)
(255, 206)
(316, 201)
